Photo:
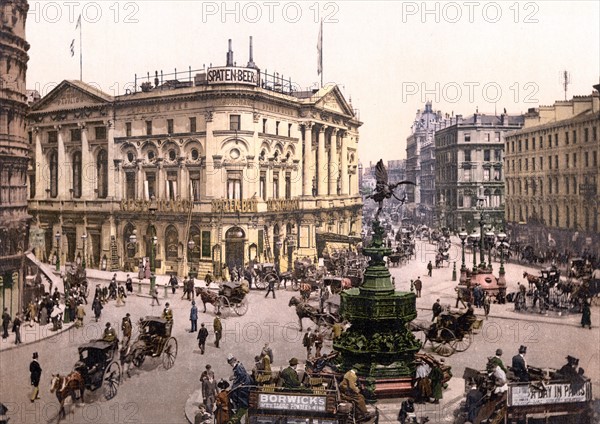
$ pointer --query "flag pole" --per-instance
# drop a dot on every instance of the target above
(80, 52)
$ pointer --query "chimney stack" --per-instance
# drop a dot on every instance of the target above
(251, 63)
(229, 55)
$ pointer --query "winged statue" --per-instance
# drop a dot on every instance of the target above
(383, 189)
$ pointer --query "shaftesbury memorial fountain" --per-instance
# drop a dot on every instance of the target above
(378, 345)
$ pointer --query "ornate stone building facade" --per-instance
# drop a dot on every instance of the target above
(14, 151)
(420, 165)
(221, 169)
(552, 174)
(469, 165)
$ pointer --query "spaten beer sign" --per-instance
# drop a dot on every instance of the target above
(292, 402)
(232, 75)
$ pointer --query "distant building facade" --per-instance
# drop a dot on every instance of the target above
(552, 175)
(14, 153)
(225, 168)
(469, 165)
(420, 165)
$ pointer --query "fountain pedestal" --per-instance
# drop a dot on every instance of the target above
(378, 344)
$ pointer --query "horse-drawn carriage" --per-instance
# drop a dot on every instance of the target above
(99, 367)
(231, 295)
(264, 274)
(453, 332)
(154, 340)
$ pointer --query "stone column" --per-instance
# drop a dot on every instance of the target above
(307, 160)
(344, 165)
(160, 180)
(110, 155)
(322, 164)
(42, 171)
(63, 170)
(140, 181)
(333, 162)
(88, 169)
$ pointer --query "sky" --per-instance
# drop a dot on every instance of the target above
(388, 57)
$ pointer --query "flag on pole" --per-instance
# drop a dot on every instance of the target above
(320, 50)
(78, 22)
(73, 47)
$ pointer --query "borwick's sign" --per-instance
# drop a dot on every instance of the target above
(554, 393)
(231, 75)
(292, 402)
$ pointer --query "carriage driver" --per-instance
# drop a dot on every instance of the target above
(167, 313)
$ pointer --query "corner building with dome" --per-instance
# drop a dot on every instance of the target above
(224, 166)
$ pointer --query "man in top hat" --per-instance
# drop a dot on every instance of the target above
(519, 365)
(497, 361)
(36, 373)
(289, 376)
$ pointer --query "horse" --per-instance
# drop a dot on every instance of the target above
(305, 290)
(65, 387)
(531, 279)
(304, 310)
(207, 296)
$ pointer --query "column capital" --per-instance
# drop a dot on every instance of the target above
(323, 128)
(83, 126)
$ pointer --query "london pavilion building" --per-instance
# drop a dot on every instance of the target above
(228, 166)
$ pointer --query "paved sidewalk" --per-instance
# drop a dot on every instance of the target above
(32, 334)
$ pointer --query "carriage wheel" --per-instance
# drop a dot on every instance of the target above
(138, 357)
(260, 283)
(242, 307)
(460, 345)
(223, 303)
(443, 344)
(295, 284)
(111, 380)
(169, 353)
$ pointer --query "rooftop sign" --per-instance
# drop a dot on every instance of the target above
(232, 75)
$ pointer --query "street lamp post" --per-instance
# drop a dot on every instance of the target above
(501, 239)
(463, 268)
(132, 247)
(475, 241)
(480, 206)
(57, 237)
(191, 245)
(84, 239)
(154, 240)
(490, 236)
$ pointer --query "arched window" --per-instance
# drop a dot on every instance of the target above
(54, 173)
(77, 175)
(171, 243)
(102, 174)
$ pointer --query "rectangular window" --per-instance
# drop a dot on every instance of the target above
(594, 158)
(234, 185)
(467, 156)
(487, 155)
(586, 135)
(526, 164)
(128, 129)
(594, 133)
(195, 186)
(171, 185)
(264, 130)
(76, 134)
(467, 175)
(193, 124)
(541, 142)
(520, 145)
(497, 174)
(556, 161)
(289, 130)
(262, 186)
(574, 136)
(567, 186)
(467, 137)
(100, 133)
(550, 162)
(541, 163)
(566, 137)
(520, 165)
(148, 127)
(234, 123)
(574, 160)
(549, 185)
(275, 186)
(169, 126)
(526, 144)
(276, 127)
(130, 185)
(498, 155)
(566, 160)
(486, 174)
(549, 140)
(487, 136)
(497, 136)
(556, 140)
(586, 159)
(150, 186)
(32, 186)
(261, 240)
(533, 164)
(52, 136)
(206, 244)
(30, 135)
